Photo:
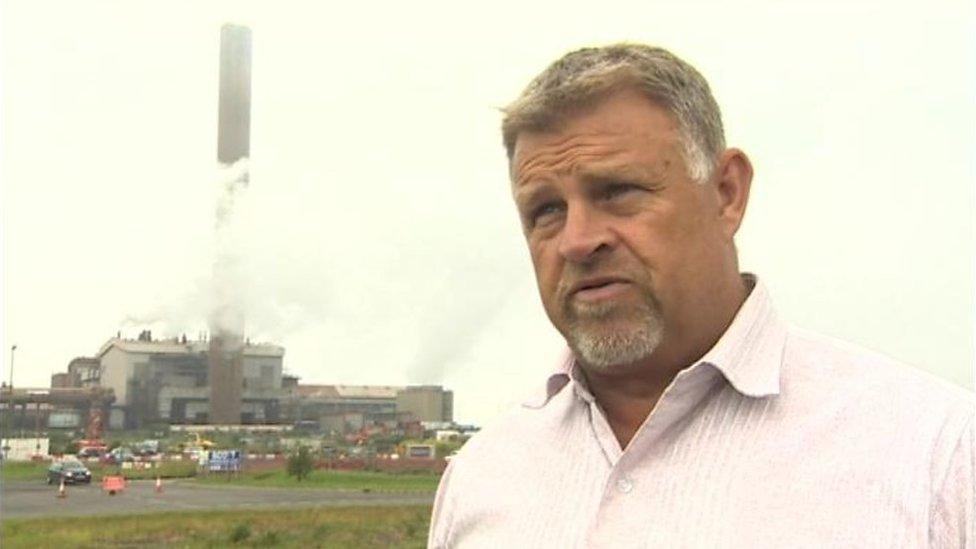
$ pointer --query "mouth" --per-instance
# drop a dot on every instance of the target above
(598, 288)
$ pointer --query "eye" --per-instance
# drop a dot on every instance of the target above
(545, 213)
(617, 190)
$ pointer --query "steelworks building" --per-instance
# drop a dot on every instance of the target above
(158, 382)
(167, 381)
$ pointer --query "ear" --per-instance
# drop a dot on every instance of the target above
(733, 179)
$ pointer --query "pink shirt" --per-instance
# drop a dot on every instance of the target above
(777, 437)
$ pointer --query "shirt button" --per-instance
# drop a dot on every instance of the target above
(625, 485)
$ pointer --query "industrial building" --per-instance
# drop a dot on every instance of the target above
(27, 410)
(82, 372)
(167, 381)
(147, 382)
(220, 379)
(223, 378)
(426, 403)
(347, 408)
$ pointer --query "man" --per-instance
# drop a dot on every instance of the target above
(687, 413)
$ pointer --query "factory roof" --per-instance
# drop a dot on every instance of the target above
(175, 347)
(348, 391)
(317, 391)
(367, 391)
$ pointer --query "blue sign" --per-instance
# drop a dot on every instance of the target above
(224, 460)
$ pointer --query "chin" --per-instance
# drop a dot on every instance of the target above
(609, 350)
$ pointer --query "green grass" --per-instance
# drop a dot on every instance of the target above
(320, 479)
(24, 470)
(352, 527)
(334, 480)
(15, 470)
(165, 469)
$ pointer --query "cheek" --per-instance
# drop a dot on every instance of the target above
(651, 237)
(662, 246)
(675, 251)
(547, 268)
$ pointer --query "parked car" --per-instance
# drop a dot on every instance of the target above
(147, 448)
(73, 472)
(90, 452)
(118, 455)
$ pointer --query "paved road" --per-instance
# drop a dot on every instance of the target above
(36, 499)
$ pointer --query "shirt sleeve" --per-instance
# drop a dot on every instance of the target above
(440, 518)
(952, 522)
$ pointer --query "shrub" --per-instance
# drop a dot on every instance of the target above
(300, 463)
(240, 533)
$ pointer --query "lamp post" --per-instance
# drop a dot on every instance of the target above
(10, 386)
(12, 349)
(9, 417)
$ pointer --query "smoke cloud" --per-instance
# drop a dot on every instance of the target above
(227, 316)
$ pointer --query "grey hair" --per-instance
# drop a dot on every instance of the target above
(583, 77)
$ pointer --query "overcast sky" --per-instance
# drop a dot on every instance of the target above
(377, 240)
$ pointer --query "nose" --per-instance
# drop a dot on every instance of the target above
(584, 234)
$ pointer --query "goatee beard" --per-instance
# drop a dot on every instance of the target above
(608, 335)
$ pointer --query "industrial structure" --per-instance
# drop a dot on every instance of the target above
(82, 372)
(221, 379)
(348, 408)
(170, 381)
(32, 410)
(147, 382)
(226, 355)
(426, 403)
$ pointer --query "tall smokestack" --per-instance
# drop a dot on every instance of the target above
(233, 149)
(234, 122)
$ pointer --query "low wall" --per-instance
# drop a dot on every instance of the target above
(402, 465)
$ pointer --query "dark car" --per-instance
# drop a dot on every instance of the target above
(73, 472)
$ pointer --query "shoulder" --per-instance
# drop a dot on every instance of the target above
(516, 431)
(497, 467)
(841, 365)
(527, 438)
(839, 377)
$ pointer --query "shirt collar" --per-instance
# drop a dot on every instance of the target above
(749, 354)
(559, 379)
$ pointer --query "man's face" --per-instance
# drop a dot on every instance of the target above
(622, 240)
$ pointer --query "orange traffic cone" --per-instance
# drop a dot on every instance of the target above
(62, 493)
(159, 485)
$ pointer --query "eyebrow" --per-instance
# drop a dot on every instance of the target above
(530, 193)
(624, 171)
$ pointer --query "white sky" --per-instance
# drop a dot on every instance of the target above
(378, 240)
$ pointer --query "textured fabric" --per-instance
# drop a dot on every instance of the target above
(777, 437)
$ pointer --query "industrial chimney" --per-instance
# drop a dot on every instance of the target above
(225, 368)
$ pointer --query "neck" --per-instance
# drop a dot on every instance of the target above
(628, 393)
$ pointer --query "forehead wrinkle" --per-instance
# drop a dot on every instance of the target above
(627, 170)
(566, 156)
(654, 162)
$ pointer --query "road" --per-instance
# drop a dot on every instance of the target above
(36, 499)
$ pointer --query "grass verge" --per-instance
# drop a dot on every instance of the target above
(402, 526)
(23, 470)
(15, 470)
(332, 480)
